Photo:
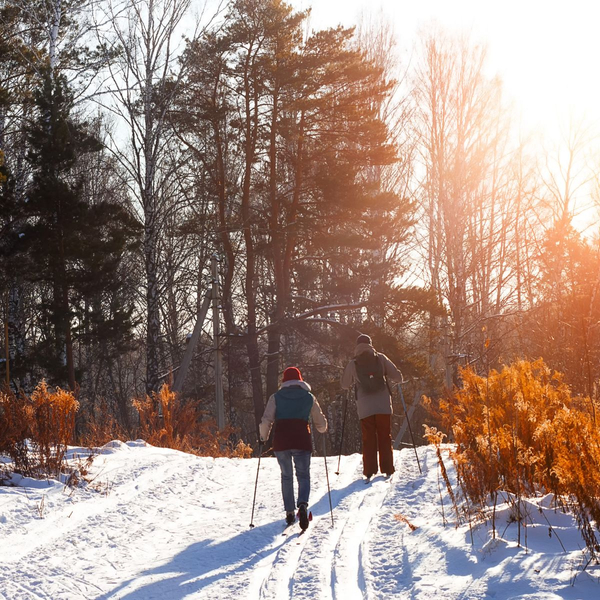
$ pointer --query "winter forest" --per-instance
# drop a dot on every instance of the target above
(225, 178)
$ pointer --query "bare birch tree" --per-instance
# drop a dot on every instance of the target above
(145, 81)
(465, 191)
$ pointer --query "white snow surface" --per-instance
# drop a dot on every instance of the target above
(154, 523)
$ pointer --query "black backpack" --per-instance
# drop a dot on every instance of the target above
(369, 372)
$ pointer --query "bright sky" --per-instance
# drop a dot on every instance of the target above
(546, 51)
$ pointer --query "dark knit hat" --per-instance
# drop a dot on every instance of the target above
(292, 374)
(363, 338)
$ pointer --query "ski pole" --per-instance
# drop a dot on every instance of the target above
(342, 437)
(256, 483)
(327, 477)
(409, 427)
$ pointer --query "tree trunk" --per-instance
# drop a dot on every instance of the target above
(153, 311)
(252, 120)
(274, 334)
(229, 254)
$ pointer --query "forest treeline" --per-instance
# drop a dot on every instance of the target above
(343, 189)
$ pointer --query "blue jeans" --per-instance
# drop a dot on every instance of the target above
(302, 466)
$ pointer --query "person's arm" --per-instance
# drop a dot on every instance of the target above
(348, 376)
(318, 417)
(264, 428)
(390, 370)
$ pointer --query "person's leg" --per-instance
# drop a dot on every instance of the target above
(369, 446)
(384, 443)
(302, 466)
(284, 458)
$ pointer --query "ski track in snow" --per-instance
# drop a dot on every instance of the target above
(325, 561)
(167, 525)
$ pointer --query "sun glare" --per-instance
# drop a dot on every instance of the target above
(545, 51)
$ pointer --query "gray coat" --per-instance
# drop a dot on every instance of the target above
(378, 403)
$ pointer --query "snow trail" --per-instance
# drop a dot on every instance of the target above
(325, 562)
(156, 523)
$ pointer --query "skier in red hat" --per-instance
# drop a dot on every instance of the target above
(290, 408)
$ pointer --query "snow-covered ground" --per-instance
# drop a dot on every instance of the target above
(157, 523)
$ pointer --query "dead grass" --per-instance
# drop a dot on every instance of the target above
(168, 422)
(36, 429)
(521, 430)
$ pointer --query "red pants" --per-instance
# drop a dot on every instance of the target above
(376, 436)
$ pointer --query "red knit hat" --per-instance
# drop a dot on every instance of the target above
(292, 374)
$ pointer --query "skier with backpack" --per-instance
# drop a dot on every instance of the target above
(369, 371)
(290, 409)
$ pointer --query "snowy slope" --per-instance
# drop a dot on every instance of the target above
(156, 523)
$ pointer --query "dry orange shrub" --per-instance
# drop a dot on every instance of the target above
(46, 419)
(15, 416)
(35, 430)
(167, 422)
(99, 426)
(52, 426)
(521, 430)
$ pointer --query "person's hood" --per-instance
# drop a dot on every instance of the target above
(295, 383)
(360, 348)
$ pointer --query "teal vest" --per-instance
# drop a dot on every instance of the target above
(293, 403)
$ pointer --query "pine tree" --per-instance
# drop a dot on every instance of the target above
(291, 133)
(73, 247)
(17, 74)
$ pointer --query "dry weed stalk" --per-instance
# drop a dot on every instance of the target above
(435, 437)
(400, 517)
(41, 507)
